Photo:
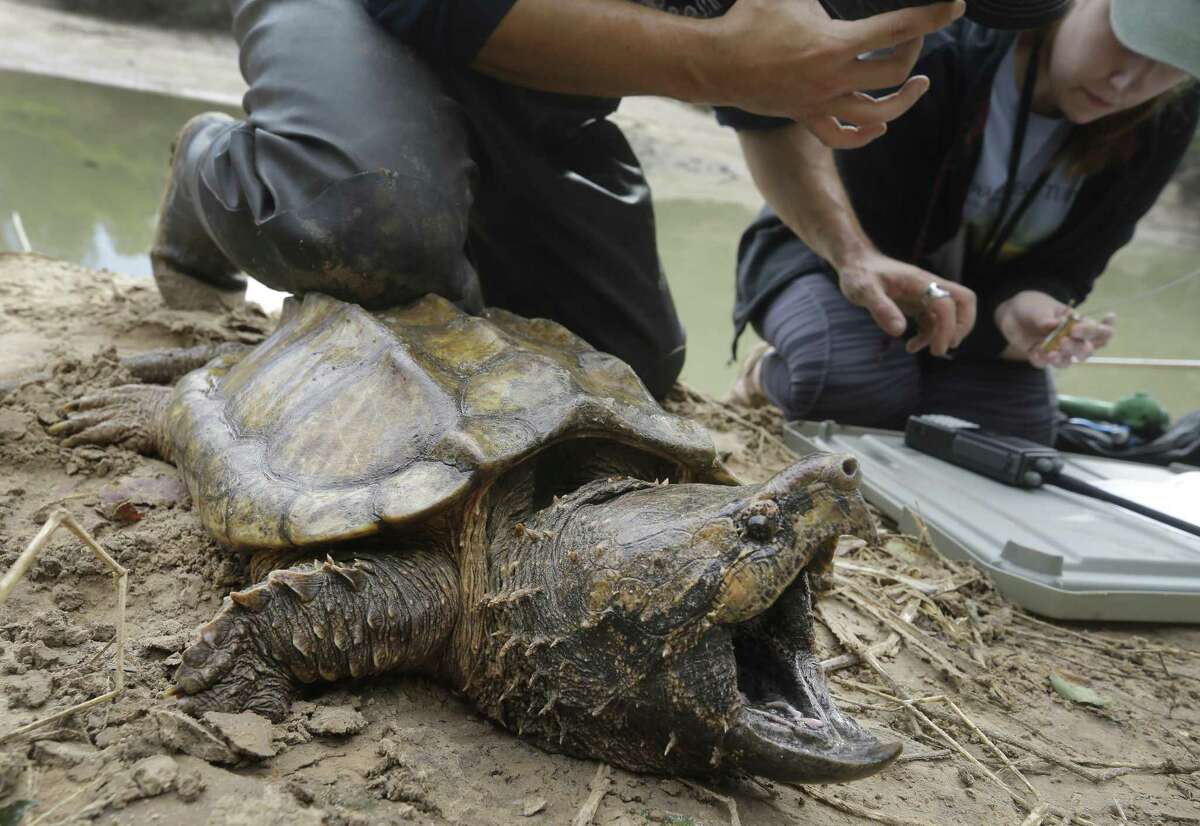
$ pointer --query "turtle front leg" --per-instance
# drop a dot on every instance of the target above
(132, 416)
(363, 614)
(170, 365)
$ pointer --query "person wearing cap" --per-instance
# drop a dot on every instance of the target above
(394, 148)
(983, 215)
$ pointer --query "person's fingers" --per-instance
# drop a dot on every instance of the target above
(1038, 357)
(920, 341)
(1100, 332)
(841, 136)
(884, 71)
(862, 109)
(942, 313)
(884, 31)
(907, 52)
(1096, 332)
(869, 295)
(924, 333)
(1074, 349)
(1054, 358)
(964, 315)
(943, 318)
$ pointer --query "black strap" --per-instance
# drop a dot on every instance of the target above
(1003, 224)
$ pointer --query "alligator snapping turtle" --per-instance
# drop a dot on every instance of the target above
(492, 502)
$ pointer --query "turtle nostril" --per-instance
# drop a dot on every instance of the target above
(842, 474)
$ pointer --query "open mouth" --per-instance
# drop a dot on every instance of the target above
(787, 726)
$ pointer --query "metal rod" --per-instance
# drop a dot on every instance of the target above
(1080, 486)
(1111, 361)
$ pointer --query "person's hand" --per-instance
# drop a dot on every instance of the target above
(890, 290)
(1026, 319)
(788, 58)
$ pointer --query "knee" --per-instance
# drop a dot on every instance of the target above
(820, 384)
(377, 239)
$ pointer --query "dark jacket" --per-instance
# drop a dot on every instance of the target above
(908, 189)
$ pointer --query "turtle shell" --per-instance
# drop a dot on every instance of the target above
(344, 422)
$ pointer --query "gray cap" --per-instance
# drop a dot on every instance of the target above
(1164, 30)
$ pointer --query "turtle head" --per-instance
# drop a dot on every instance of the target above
(681, 617)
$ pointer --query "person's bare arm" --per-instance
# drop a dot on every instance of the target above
(797, 176)
(771, 57)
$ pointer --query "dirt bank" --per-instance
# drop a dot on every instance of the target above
(399, 750)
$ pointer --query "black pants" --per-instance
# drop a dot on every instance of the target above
(832, 361)
(364, 173)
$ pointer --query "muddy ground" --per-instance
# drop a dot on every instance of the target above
(401, 750)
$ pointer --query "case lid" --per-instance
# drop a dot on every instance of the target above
(1054, 552)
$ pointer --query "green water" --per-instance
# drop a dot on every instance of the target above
(84, 167)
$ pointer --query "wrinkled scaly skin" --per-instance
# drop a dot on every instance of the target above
(613, 615)
(573, 562)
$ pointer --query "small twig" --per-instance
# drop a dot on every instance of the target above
(1165, 767)
(851, 641)
(1170, 818)
(1003, 757)
(905, 629)
(22, 239)
(954, 744)
(95, 784)
(1120, 810)
(1030, 746)
(729, 802)
(938, 754)
(835, 802)
(599, 787)
(1037, 815)
(62, 518)
(1095, 640)
(881, 648)
(762, 432)
(911, 706)
(921, 585)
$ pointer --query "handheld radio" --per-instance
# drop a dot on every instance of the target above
(1014, 461)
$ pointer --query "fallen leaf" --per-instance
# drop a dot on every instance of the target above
(123, 511)
(1075, 692)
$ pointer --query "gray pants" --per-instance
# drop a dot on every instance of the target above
(364, 173)
(832, 362)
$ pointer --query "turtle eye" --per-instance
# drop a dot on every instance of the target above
(760, 528)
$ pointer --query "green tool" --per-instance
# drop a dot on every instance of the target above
(1140, 412)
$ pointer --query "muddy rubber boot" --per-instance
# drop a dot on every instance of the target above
(190, 270)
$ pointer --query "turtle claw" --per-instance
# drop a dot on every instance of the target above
(125, 416)
(225, 671)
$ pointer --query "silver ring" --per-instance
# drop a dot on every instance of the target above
(933, 293)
